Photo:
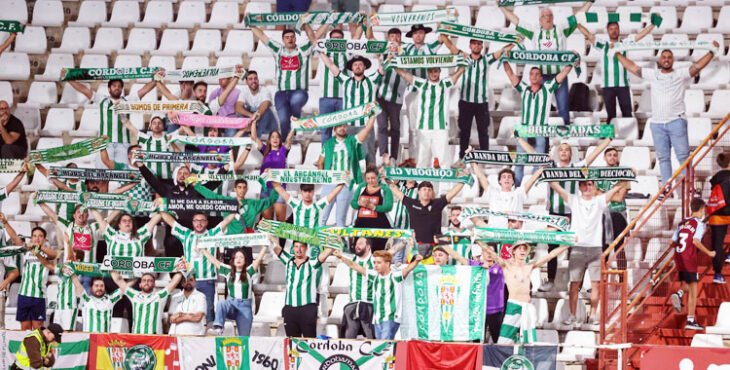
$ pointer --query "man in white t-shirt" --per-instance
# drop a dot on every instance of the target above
(256, 100)
(187, 310)
(587, 222)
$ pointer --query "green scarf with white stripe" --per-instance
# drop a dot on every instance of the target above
(303, 176)
(506, 158)
(102, 74)
(213, 141)
(587, 174)
(477, 33)
(559, 222)
(589, 17)
(333, 119)
(183, 157)
(425, 61)
(620, 47)
(139, 265)
(396, 19)
(332, 19)
(542, 58)
(71, 151)
(603, 131)
(234, 241)
(486, 234)
(300, 234)
(94, 174)
(428, 174)
(11, 26)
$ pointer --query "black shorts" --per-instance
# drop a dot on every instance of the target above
(689, 277)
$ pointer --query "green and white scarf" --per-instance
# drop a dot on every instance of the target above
(8, 165)
(303, 176)
(306, 235)
(525, 131)
(513, 235)
(12, 250)
(542, 58)
(97, 74)
(354, 232)
(95, 174)
(230, 176)
(620, 47)
(476, 33)
(183, 157)
(71, 151)
(213, 141)
(218, 206)
(107, 201)
(88, 269)
(506, 158)
(196, 74)
(180, 106)
(140, 265)
(354, 46)
(534, 2)
(559, 222)
(274, 19)
(590, 17)
(11, 26)
(332, 19)
(234, 241)
(336, 118)
(425, 61)
(57, 196)
(396, 19)
(587, 173)
(428, 174)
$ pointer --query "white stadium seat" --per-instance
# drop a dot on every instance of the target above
(669, 18)
(30, 116)
(89, 124)
(58, 122)
(124, 13)
(718, 104)
(707, 340)
(189, 14)
(173, 41)
(167, 62)
(270, 307)
(715, 75)
(577, 354)
(222, 15)
(91, 61)
(722, 323)
(107, 39)
(677, 37)
(48, 13)
(6, 92)
(14, 66)
(31, 41)
(128, 61)
(238, 42)
(695, 19)
(694, 101)
(74, 40)
(195, 62)
(42, 94)
(205, 42)
(15, 10)
(341, 300)
(54, 64)
(723, 20)
(157, 13)
(91, 14)
(140, 40)
(628, 28)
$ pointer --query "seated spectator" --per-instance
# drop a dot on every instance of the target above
(255, 103)
(13, 143)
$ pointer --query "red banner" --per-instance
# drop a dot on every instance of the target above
(670, 357)
(441, 356)
(123, 351)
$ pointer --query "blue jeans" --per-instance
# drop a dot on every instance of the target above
(541, 145)
(289, 103)
(343, 204)
(207, 287)
(236, 309)
(562, 98)
(328, 105)
(386, 329)
(86, 282)
(264, 126)
(400, 256)
(666, 136)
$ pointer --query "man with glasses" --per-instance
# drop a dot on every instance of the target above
(13, 143)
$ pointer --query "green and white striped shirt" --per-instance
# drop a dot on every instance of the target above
(331, 86)
(361, 287)
(109, 122)
(614, 73)
(358, 92)
(462, 247)
(236, 288)
(392, 87)
(552, 39)
(204, 269)
(386, 305)
(292, 67)
(205, 170)
(433, 113)
(555, 203)
(162, 144)
(66, 210)
(82, 237)
(147, 310)
(65, 298)
(341, 156)
(97, 312)
(33, 276)
(307, 215)
(120, 243)
(536, 106)
(474, 88)
(399, 214)
(301, 281)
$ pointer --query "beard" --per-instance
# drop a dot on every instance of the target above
(360, 252)
(188, 288)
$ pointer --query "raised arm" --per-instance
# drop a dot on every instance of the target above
(260, 35)
(456, 256)
(350, 263)
(146, 89)
(83, 89)
(227, 221)
(509, 14)
(446, 40)
(14, 238)
(59, 184)
(395, 190)
(167, 218)
(363, 134)
(533, 179)
(564, 72)
(255, 136)
(329, 64)
(108, 162)
(490, 251)
(457, 74)
(618, 187)
(174, 282)
(454, 191)
(598, 151)
(154, 220)
(44, 261)
(260, 258)
(46, 209)
(128, 124)
(7, 42)
(325, 253)
(629, 64)
(644, 32)
(209, 256)
(408, 77)
(697, 66)
(17, 179)
(162, 89)
(554, 253)
(282, 192)
(588, 34)
(585, 7)
(416, 260)
(231, 85)
(481, 177)
(314, 36)
(78, 287)
(513, 78)
(289, 139)
(331, 196)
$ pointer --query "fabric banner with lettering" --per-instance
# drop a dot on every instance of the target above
(444, 303)
(428, 174)
(506, 158)
(201, 120)
(332, 19)
(97, 74)
(195, 74)
(527, 131)
(8, 165)
(274, 19)
(396, 19)
(183, 157)
(486, 234)
(620, 47)
(184, 106)
(336, 118)
(68, 152)
(234, 240)
(476, 33)
(228, 353)
(131, 351)
(425, 61)
(88, 269)
(303, 176)
(230, 176)
(71, 354)
(559, 222)
(140, 265)
(354, 232)
(213, 141)
(428, 355)
(11, 250)
(94, 174)
(217, 206)
(541, 58)
(306, 354)
(543, 357)
(58, 196)
(11, 26)
(301, 234)
(359, 47)
(587, 174)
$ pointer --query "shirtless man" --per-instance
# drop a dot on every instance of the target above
(520, 315)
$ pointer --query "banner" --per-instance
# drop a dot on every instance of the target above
(285, 176)
(533, 2)
(558, 222)
(620, 47)
(94, 174)
(213, 141)
(336, 118)
(396, 19)
(353, 232)
(8, 165)
(476, 33)
(185, 106)
(486, 234)
(11, 26)
(194, 74)
(140, 265)
(217, 206)
(97, 74)
(543, 357)
(306, 354)
(355, 46)
(67, 152)
(527, 131)
(428, 174)
(228, 353)
(300, 234)
(427, 355)
(183, 157)
(587, 173)
(234, 241)
(274, 19)
(541, 58)
(230, 176)
(202, 120)
(71, 354)
(425, 61)
(444, 303)
(506, 158)
(130, 351)
(57, 196)
(332, 19)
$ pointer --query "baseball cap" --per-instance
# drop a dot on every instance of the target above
(57, 331)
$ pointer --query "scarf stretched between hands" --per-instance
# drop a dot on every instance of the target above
(356, 46)
(139, 265)
(620, 47)
(590, 17)
(198, 73)
(303, 176)
(477, 33)
(558, 222)
(602, 131)
(96, 74)
(201, 120)
(396, 19)
(87, 269)
(94, 174)
(336, 118)
(8, 165)
(506, 158)
(534, 2)
(306, 235)
(428, 174)
(230, 176)
(234, 241)
(513, 235)
(274, 19)
(183, 157)
(12, 250)
(213, 141)
(71, 151)
(587, 173)
(11, 26)
(184, 106)
(425, 61)
(542, 58)
(332, 19)
(354, 232)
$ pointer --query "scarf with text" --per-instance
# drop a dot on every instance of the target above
(182, 157)
(396, 19)
(336, 118)
(587, 174)
(303, 176)
(11, 26)
(230, 176)
(477, 33)
(428, 174)
(234, 241)
(274, 19)
(96, 74)
(332, 19)
(425, 61)
(200, 120)
(306, 235)
(356, 46)
(141, 265)
(193, 74)
(354, 232)
(67, 152)
(8, 165)
(512, 235)
(506, 158)
(559, 222)
(620, 47)
(542, 58)
(213, 141)
(94, 174)
(601, 131)
(180, 106)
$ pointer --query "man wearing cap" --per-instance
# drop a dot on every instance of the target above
(35, 350)
(357, 89)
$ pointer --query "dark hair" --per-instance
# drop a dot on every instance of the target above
(368, 242)
(455, 208)
(116, 220)
(723, 159)
(425, 184)
(284, 32)
(371, 168)
(306, 187)
(200, 213)
(240, 181)
(149, 124)
(610, 149)
(696, 204)
(41, 229)
(203, 83)
(243, 278)
(394, 31)
(440, 249)
(667, 50)
(268, 139)
(111, 82)
(610, 23)
(538, 68)
(72, 165)
(154, 277)
(95, 278)
(506, 170)
(251, 72)
(133, 147)
(337, 31)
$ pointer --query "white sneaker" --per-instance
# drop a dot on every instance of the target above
(546, 287)
(570, 321)
(215, 331)
(676, 302)
(594, 320)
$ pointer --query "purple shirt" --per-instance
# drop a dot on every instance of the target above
(495, 290)
(228, 108)
(275, 159)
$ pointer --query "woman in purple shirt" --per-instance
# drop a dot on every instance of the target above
(495, 292)
(274, 152)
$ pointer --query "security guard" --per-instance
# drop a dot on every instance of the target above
(35, 351)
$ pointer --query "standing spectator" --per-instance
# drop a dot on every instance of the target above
(96, 305)
(122, 236)
(249, 209)
(459, 243)
(147, 304)
(719, 214)
(617, 208)
(66, 309)
(187, 310)
(668, 120)
(331, 100)
(13, 143)
(495, 296)
(5, 192)
(372, 201)
(274, 153)
(156, 140)
(227, 104)
(399, 214)
(291, 6)
(351, 6)
(8, 268)
(257, 101)
(31, 311)
(357, 315)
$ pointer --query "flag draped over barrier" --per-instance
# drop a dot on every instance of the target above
(506, 158)
(67, 152)
(96, 74)
(587, 173)
(228, 353)
(71, 354)
(129, 351)
(305, 354)
(542, 357)
(527, 131)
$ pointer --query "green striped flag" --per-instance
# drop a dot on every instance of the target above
(444, 303)
(72, 354)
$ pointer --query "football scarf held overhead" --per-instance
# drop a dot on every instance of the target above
(107, 201)
(620, 47)
(558, 222)
(213, 141)
(306, 354)
(425, 61)
(234, 241)
(354, 232)
(486, 234)
(71, 151)
(196, 74)
(541, 58)
(57, 196)
(428, 174)
(95, 174)
(397, 19)
(506, 158)
(88, 269)
(183, 157)
(97, 74)
(217, 206)
(332, 19)
(476, 33)
(12, 250)
(201, 120)
(230, 176)
(301, 234)
(444, 303)
(140, 265)
(306, 176)
(603, 18)
(356, 46)
(602, 131)
(274, 19)
(336, 118)
(587, 173)
(11, 26)
(8, 165)
(184, 106)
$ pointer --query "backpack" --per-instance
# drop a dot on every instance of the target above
(716, 201)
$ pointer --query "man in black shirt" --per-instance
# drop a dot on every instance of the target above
(425, 212)
(13, 143)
